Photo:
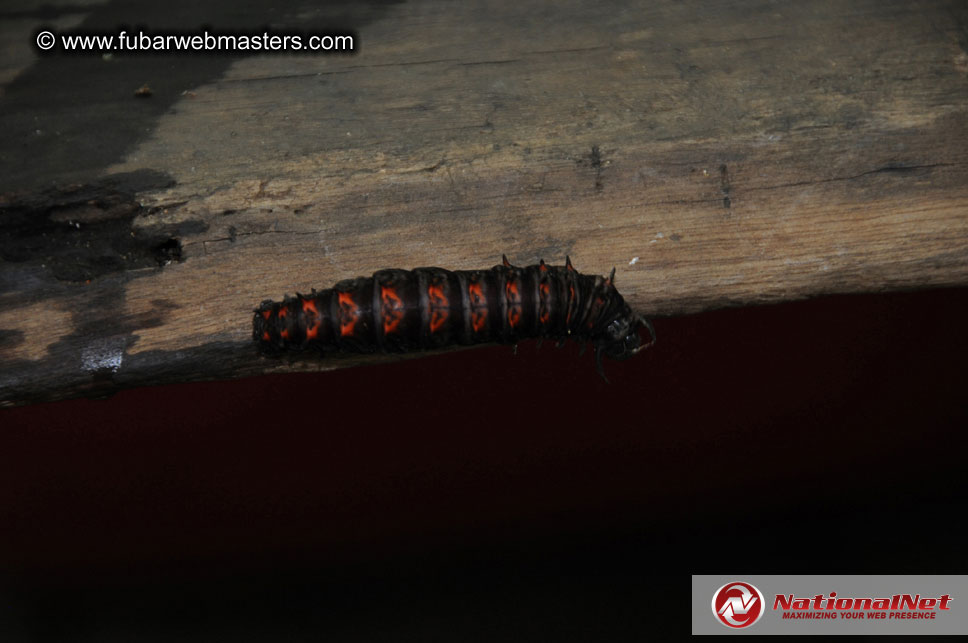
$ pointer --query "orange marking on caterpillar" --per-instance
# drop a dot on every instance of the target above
(476, 293)
(312, 317)
(544, 315)
(571, 300)
(478, 319)
(513, 296)
(478, 306)
(265, 336)
(349, 314)
(392, 309)
(266, 314)
(437, 306)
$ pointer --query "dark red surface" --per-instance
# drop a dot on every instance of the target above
(791, 427)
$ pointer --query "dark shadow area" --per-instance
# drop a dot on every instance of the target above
(483, 495)
(85, 231)
(68, 117)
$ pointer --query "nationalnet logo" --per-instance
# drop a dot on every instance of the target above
(792, 604)
(737, 605)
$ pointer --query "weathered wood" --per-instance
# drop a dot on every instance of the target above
(716, 154)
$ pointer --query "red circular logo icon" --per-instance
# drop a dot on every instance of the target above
(738, 605)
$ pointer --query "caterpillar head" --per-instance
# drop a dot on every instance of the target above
(622, 339)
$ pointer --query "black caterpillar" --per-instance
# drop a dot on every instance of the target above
(425, 308)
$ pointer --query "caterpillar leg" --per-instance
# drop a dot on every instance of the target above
(598, 364)
(645, 322)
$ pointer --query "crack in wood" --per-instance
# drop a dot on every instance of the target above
(881, 170)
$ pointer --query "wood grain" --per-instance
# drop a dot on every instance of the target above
(717, 155)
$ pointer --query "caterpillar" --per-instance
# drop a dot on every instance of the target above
(425, 308)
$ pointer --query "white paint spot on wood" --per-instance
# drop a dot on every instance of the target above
(105, 353)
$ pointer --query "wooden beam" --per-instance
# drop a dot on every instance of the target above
(715, 154)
